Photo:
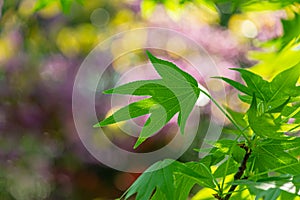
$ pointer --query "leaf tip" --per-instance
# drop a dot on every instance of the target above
(237, 69)
(97, 125)
(148, 53)
(139, 142)
(151, 56)
(109, 91)
(217, 77)
(102, 123)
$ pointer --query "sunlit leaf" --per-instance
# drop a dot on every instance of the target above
(176, 92)
(268, 159)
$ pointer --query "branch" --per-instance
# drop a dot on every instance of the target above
(239, 173)
(241, 170)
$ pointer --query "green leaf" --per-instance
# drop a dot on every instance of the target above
(176, 92)
(223, 171)
(274, 94)
(40, 4)
(289, 31)
(290, 145)
(286, 144)
(291, 111)
(245, 98)
(184, 184)
(286, 195)
(268, 159)
(265, 194)
(66, 5)
(263, 125)
(270, 194)
(265, 187)
(213, 158)
(238, 117)
(277, 105)
(236, 85)
(290, 118)
(255, 83)
(184, 86)
(284, 84)
(166, 176)
(225, 145)
(158, 195)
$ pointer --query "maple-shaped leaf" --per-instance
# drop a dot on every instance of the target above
(165, 179)
(176, 92)
(273, 94)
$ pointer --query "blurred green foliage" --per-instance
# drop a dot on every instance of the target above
(65, 4)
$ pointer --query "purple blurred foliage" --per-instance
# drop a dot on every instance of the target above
(1, 4)
(271, 26)
(38, 139)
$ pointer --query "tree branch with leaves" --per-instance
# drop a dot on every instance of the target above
(263, 143)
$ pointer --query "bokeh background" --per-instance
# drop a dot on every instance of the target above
(42, 45)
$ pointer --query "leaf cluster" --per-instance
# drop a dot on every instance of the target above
(265, 133)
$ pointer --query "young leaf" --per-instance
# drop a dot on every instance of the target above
(176, 92)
